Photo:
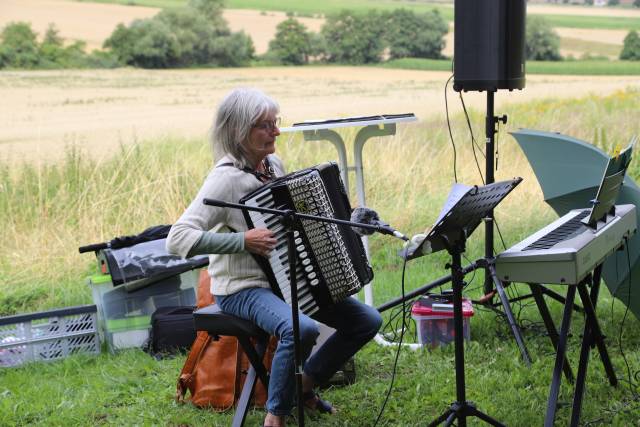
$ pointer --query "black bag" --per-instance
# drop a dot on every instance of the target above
(172, 330)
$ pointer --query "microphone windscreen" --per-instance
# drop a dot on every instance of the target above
(364, 216)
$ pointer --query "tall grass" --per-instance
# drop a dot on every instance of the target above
(47, 211)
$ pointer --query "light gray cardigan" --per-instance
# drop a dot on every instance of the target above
(192, 235)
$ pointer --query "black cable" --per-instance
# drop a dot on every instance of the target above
(453, 144)
(624, 317)
(496, 140)
(473, 139)
(395, 362)
(633, 386)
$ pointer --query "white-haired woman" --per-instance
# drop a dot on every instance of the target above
(243, 139)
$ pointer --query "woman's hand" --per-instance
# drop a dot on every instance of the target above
(259, 241)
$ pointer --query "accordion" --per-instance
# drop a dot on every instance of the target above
(331, 261)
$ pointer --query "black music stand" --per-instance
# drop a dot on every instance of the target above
(291, 221)
(451, 233)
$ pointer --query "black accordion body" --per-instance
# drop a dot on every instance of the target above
(331, 260)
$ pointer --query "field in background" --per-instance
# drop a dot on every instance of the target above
(98, 110)
(588, 69)
(583, 30)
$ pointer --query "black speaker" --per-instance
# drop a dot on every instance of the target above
(489, 40)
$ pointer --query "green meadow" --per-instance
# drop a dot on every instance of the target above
(578, 68)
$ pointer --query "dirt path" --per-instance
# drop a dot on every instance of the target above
(41, 112)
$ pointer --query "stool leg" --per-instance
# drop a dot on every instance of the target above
(255, 355)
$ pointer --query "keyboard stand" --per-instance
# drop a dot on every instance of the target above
(592, 335)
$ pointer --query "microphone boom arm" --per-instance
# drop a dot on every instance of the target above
(379, 228)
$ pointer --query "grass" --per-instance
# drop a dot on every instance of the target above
(46, 212)
(308, 8)
(593, 48)
(567, 67)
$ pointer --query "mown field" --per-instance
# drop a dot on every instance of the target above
(47, 210)
(558, 17)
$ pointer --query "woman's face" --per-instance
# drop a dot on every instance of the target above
(262, 137)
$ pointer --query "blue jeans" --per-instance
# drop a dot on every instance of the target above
(355, 324)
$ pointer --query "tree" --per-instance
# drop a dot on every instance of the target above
(411, 35)
(292, 43)
(210, 9)
(636, 3)
(195, 35)
(542, 42)
(18, 46)
(146, 43)
(631, 47)
(54, 54)
(354, 38)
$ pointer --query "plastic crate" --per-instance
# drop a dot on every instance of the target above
(48, 335)
(124, 314)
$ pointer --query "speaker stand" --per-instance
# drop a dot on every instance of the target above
(491, 122)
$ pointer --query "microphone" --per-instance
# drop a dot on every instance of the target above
(368, 216)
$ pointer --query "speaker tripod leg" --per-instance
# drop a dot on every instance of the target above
(449, 413)
(510, 318)
(474, 412)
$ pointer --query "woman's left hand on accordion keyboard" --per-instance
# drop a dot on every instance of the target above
(259, 241)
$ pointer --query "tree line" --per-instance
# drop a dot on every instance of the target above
(198, 35)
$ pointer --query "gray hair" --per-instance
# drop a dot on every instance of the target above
(238, 112)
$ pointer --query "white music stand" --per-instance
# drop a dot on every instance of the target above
(372, 126)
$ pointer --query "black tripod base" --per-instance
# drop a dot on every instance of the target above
(461, 411)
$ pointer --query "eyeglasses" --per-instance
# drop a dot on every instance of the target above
(270, 125)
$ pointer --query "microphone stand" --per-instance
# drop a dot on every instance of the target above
(291, 221)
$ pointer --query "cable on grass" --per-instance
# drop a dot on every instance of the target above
(395, 362)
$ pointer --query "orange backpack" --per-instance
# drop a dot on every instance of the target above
(215, 370)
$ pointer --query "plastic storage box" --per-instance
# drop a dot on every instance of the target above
(434, 321)
(124, 315)
(48, 335)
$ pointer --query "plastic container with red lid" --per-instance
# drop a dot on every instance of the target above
(434, 321)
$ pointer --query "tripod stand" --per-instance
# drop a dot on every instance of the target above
(461, 408)
(451, 232)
